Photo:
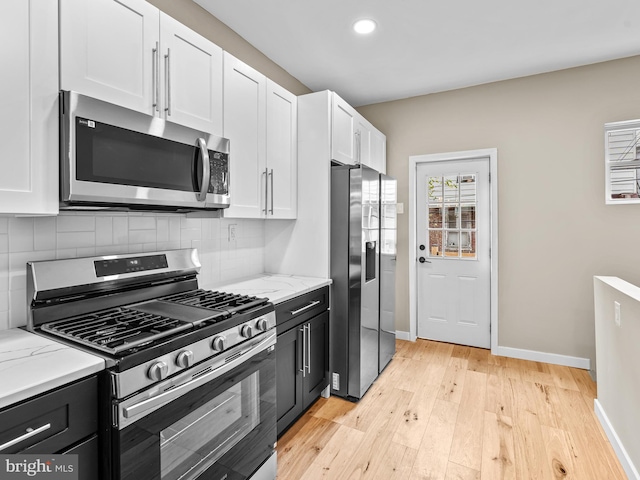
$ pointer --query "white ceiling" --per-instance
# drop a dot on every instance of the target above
(426, 46)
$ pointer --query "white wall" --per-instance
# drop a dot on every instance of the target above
(618, 369)
(71, 235)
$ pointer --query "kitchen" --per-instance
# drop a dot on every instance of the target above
(581, 100)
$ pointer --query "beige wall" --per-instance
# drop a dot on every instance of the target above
(555, 231)
(199, 20)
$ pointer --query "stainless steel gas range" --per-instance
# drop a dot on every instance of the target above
(189, 389)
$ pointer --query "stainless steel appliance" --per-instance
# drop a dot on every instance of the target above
(388, 239)
(189, 389)
(355, 247)
(113, 157)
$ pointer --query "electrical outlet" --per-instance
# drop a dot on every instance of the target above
(232, 232)
(616, 308)
(335, 381)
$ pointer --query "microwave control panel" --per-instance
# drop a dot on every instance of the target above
(219, 180)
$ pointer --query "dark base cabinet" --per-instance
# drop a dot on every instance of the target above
(67, 421)
(302, 354)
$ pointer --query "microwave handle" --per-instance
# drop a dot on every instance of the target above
(206, 171)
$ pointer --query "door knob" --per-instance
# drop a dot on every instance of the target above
(423, 260)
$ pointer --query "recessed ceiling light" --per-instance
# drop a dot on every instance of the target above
(364, 26)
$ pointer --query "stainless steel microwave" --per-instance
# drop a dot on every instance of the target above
(115, 158)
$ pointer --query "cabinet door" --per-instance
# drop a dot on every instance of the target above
(317, 377)
(343, 128)
(191, 77)
(244, 126)
(378, 160)
(107, 50)
(29, 106)
(288, 377)
(363, 141)
(282, 148)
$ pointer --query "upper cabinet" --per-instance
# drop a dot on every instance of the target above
(353, 139)
(260, 123)
(129, 53)
(282, 152)
(29, 106)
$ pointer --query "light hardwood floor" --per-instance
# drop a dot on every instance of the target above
(442, 411)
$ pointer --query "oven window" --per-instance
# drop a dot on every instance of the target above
(190, 445)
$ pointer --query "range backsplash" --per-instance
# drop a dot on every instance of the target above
(69, 235)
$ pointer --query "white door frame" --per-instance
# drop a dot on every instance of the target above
(414, 160)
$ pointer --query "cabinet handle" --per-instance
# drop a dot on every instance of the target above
(271, 191)
(201, 196)
(308, 327)
(266, 190)
(167, 74)
(156, 78)
(304, 351)
(30, 433)
(306, 307)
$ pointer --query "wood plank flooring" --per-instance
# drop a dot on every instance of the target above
(442, 411)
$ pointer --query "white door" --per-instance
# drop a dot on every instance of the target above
(109, 51)
(282, 152)
(192, 77)
(453, 240)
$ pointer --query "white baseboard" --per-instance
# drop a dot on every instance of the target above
(535, 356)
(400, 335)
(621, 453)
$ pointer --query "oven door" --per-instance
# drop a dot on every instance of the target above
(113, 155)
(216, 420)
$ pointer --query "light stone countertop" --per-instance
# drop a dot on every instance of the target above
(277, 288)
(31, 364)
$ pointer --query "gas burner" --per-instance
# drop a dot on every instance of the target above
(229, 302)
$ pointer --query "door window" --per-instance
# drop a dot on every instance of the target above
(451, 226)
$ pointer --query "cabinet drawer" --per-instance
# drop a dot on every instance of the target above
(51, 422)
(300, 309)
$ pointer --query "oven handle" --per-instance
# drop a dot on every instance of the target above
(166, 397)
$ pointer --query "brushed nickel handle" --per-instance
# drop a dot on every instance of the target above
(271, 191)
(304, 351)
(308, 327)
(31, 432)
(156, 78)
(266, 190)
(201, 196)
(306, 307)
(167, 73)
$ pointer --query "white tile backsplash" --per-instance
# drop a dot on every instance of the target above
(75, 234)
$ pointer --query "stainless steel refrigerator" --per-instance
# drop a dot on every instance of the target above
(355, 248)
(388, 252)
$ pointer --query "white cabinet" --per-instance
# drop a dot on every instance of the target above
(129, 53)
(244, 126)
(327, 128)
(282, 152)
(29, 106)
(260, 123)
(353, 139)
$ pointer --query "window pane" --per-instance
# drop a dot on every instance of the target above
(435, 243)
(434, 187)
(468, 189)
(452, 243)
(451, 189)
(435, 217)
(450, 217)
(469, 249)
(468, 217)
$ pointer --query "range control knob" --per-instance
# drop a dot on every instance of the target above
(247, 331)
(262, 325)
(184, 359)
(158, 371)
(219, 343)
